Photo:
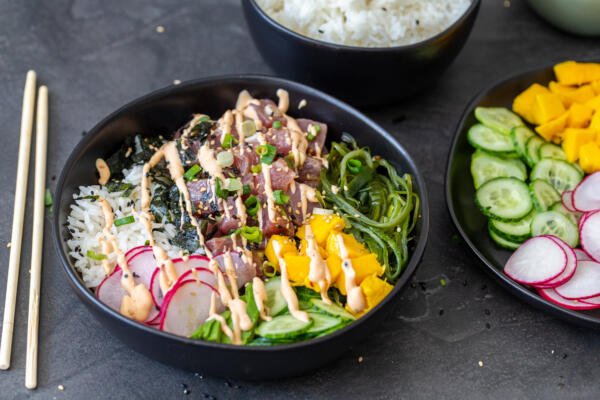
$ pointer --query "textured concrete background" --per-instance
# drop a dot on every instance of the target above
(96, 56)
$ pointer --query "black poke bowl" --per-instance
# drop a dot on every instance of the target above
(166, 110)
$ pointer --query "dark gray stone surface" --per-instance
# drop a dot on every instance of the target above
(95, 56)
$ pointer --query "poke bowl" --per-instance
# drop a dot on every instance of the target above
(176, 247)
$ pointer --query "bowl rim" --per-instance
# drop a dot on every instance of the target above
(78, 285)
(338, 47)
(487, 265)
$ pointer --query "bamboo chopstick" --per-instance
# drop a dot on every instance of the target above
(41, 144)
(18, 215)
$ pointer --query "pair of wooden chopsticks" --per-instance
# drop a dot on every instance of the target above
(17, 228)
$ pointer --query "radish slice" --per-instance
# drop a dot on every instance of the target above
(181, 267)
(567, 200)
(134, 250)
(569, 270)
(553, 297)
(586, 196)
(186, 307)
(589, 235)
(110, 291)
(582, 255)
(585, 283)
(538, 260)
(591, 300)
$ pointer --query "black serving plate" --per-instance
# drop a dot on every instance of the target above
(363, 76)
(164, 111)
(460, 195)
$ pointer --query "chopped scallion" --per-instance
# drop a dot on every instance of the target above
(48, 198)
(225, 159)
(95, 256)
(248, 128)
(192, 172)
(130, 219)
(256, 168)
(252, 205)
(354, 165)
(280, 197)
(267, 153)
(227, 141)
(246, 190)
(250, 233)
(277, 124)
(232, 184)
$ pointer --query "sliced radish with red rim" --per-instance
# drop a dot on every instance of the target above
(585, 283)
(569, 270)
(537, 261)
(586, 196)
(553, 297)
(567, 200)
(589, 235)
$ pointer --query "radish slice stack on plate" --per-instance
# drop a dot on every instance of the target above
(566, 276)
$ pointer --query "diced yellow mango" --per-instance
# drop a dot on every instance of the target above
(573, 73)
(573, 139)
(553, 128)
(570, 94)
(546, 107)
(579, 115)
(321, 226)
(595, 85)
(363, 266)
(375, 290)
(595, 123)
(523, 102)
(594, 103)
(589, 157)
(287, 245)
(297, 268)
(354, 247)
(304, 245)
(334, 264)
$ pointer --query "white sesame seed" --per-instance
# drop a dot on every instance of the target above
(160, 29)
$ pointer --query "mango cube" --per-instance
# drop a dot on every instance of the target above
(552, 129)
(579, 115)
(589, 157)
(574, 139)
(546, 107)
(524, 101)
(574, 73)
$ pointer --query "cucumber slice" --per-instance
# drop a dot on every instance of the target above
(572, 216)
(498, 118)
(556, 224)
(507, 244)
(275, 302)
(560, 174)
(532, 150)
(283, 327)
(485, 167)
(505, 199)
(516, 232)
(482, 137)
(549, 150)
(543, 194)
(333, 310)
(322, 323)
(520, 135)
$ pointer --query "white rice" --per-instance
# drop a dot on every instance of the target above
(366, 23)
(86, 221)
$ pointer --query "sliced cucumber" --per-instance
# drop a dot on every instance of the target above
(502, 242)
(485, 166)
(505, 199)
(560, 174)
(333, 310)
(520, 135)
(275, 302)
(543, 194)
(556, 224)
(516, 232)
(482, 137)
(498, 118)
(283, 327)
(322, 323)
(572, 216)
(549, 150)
(532, 150)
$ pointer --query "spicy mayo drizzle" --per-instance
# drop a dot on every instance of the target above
(355, 299)
(318, 272)
(286, 288)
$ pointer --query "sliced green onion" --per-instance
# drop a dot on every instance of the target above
(252, 205)
(354, 165)
(225, 159)
(246, 190)
(222, 193)
(268, 269)
(95, 256)
(130, 219)
(48, 198)
(227, 141)
(205, 118)
(232, 184)
(251, 233)
(248, 128)
(313, 131)
(192, 172)
(277, 124)
(267, 153)
(256, 168)
(280, 197)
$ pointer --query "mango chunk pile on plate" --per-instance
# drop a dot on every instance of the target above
(567, 111)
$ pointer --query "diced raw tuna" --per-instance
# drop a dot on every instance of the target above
(281, 177)
(294, 205)
(315, 146)
(202, 196)
(309, 171)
